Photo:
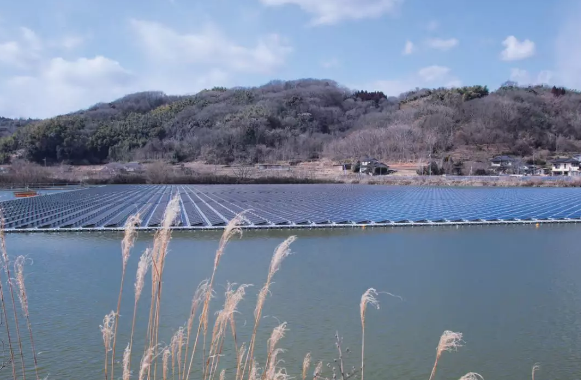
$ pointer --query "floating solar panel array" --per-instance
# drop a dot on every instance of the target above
(288, 206)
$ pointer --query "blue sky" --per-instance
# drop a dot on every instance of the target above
(58, 56)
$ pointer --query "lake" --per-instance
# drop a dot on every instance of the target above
(513, 291)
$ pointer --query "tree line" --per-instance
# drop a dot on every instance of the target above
(298, 120)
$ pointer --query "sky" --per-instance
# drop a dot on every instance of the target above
(59, 56)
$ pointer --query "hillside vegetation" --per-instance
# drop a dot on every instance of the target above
(303, 119)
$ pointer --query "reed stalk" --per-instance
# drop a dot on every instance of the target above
(176, 344)
(536, 367)
(142, 268)
(239, 356)
(368, 298)
(270, 367)
(306, 364)
(126, 245)
(232, 299)
(199, 294)
(449, 341)
(161, 242)
(318, 370)
(5, 264)
(127, 362)
(19, 271)
(7, 324)
(165, 359)
(280, 253)
(107, 332)
(232, 229)
(148, 356)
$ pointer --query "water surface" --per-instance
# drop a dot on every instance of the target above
(515, 293)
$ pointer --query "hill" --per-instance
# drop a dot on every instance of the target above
(304, 119)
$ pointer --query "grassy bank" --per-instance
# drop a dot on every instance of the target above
(21, 174)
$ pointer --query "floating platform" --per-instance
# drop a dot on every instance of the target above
(290, 206)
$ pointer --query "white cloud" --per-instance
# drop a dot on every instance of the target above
(442, 44)
(331, 63)
(41, 83)
(432, 25)
(62, 86)
(519, 75)
(21, 52)
(433, 73)
(326, 12)
(524, 78)
(69, 42)
(31, 39)
(430, 77)
(516, 50)
(409, 48)
(210, 47)
(10, 53)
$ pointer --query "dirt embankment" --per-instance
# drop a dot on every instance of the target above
(322, 171)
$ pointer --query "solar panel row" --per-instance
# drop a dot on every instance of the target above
(212, 206)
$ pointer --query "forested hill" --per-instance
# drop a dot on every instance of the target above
(303, 119)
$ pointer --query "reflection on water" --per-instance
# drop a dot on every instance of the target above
(515, 293)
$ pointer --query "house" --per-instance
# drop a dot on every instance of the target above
(532, 170)
(371, 166)
(570, 167)
(503, 161)
(506, 165)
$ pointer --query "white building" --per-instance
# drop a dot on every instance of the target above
(567, 167)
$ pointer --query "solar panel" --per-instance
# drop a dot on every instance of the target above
(280, 206)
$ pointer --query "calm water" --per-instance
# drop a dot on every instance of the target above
(515, 293)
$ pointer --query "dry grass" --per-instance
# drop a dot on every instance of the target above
(449, 341)
(183, 354)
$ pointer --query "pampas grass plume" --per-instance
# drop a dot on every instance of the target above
(306, 364)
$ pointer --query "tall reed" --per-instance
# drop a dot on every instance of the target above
(280, 253)
(306, 364)
(19, 271)
(270, 367)
(199, 295)
(107, 333)
(142, 268)
(5, 264)
(7, 325)
(368, 298)
(232, 229)
(127, 362)
(536, 367)
(126, 245)
(449, 341)
(225, 318)
(159, 253)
